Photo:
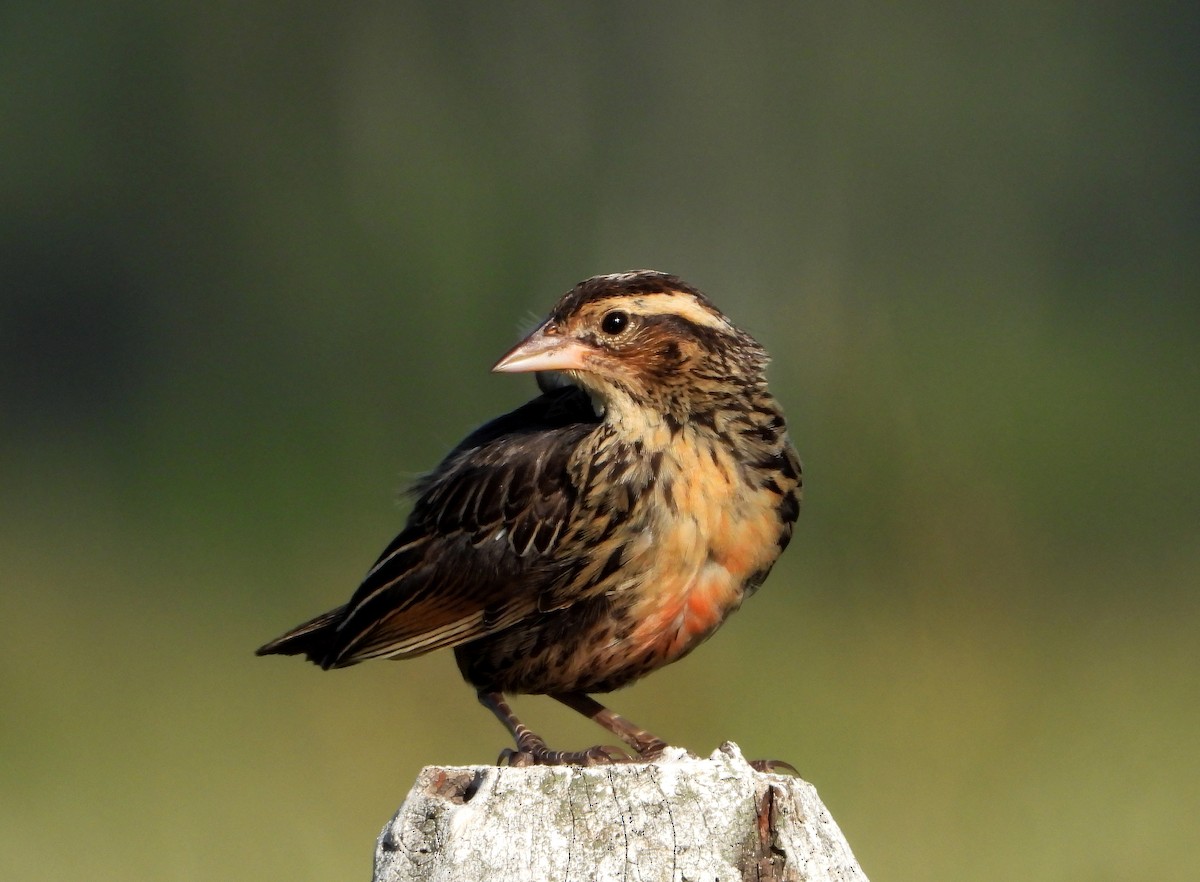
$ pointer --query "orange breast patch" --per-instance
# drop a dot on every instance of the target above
(712, 534)
(745, 544)
(680, 615)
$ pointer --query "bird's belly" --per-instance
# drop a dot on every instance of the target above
(659, 613)
(613, 640)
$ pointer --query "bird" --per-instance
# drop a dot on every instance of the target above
(596, 533)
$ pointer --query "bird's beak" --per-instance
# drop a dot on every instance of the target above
(544, 350)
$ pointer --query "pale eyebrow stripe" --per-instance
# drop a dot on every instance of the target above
(671, 304)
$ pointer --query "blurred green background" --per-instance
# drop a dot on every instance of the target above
(255, 262)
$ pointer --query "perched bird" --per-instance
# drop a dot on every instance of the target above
(597, 533)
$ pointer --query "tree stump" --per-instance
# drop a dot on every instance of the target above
(679, 818)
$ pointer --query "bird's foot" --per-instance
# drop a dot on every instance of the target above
(540, 755)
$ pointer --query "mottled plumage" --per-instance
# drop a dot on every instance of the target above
(598, 532)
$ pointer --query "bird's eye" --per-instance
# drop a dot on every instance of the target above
(614, 322)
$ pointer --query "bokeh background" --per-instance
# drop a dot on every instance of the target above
(256, 260)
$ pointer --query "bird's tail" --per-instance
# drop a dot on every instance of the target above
(313, 639)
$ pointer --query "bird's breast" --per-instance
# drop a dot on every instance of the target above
(709, 529)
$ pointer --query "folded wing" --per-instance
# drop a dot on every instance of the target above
(478, 548)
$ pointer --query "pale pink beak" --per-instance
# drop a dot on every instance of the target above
(543, 351)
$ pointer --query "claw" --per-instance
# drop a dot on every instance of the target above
(774, 767)
(603, 755)
(651, 750)
(517, 759)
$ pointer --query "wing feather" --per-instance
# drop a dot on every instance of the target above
(479, 545)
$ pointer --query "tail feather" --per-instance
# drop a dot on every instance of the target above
(313, 639)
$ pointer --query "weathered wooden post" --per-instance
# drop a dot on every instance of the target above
(678, 819)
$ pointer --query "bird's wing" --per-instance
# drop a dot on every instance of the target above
(475, 552)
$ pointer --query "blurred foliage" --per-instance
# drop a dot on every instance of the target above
(255, 261)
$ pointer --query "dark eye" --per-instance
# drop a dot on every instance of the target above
(614, 322)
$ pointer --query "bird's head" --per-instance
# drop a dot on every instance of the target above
(643, 340)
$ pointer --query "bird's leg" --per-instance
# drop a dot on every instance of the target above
(646, 745)
(532, 748)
